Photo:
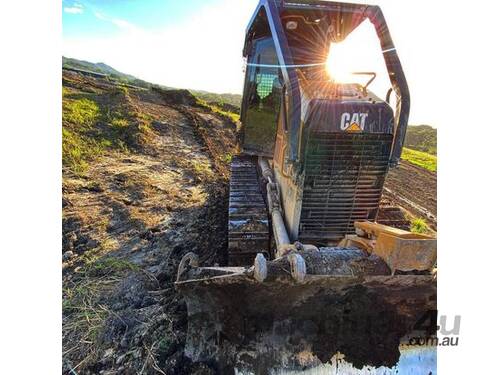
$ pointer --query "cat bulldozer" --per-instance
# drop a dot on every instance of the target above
(310, 272)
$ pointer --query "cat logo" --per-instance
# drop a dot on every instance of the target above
(353, 123)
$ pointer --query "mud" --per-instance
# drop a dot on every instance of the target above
(259, 326)
(126, 224)
(414, 189)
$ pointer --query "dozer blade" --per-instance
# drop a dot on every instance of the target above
(280, 323)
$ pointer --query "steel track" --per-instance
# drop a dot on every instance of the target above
(248, 227)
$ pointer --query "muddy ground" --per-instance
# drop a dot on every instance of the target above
(133, 214)
(126, 223)
(414, 189)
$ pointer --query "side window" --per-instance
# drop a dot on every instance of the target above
(263, 97)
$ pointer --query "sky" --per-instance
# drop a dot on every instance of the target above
(197, 44)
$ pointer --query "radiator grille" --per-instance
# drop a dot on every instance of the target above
(344, 178)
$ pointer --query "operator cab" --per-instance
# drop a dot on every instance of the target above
(331, 140)
(269, 101)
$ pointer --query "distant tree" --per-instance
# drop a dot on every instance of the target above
(422, 138)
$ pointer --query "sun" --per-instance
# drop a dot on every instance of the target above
(359, 52)
(338, 64)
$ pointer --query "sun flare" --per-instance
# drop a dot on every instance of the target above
(359, 52)
(338, 66)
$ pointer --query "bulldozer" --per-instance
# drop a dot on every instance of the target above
(311, 273)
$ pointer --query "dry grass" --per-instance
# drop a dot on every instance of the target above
(84, 312)
(202, 170)
(84, 316)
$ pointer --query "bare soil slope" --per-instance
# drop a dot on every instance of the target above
(127, 221)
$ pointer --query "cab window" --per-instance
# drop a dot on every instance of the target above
(263, 95)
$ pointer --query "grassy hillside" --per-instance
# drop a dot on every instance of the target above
(104, 69)
(144, 182)
(422, 138)
(94, 67)
(226, 102)
(229, 102)
(97, 121)
(421, 147)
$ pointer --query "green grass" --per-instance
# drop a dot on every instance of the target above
(419, 226)
(86, 315)
(95, 123)
(419, 158)
(119, 123)
(226, 158)
(80, 116)
(75, 151)
(82, 304)
(234, 117)
(82, 112)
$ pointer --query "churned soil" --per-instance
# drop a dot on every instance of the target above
(127, 222)
(415, 189)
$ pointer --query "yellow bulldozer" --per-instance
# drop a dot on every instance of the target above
(310, 272)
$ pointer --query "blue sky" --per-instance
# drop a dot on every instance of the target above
(191, 43)
(84, 17)
(197, 44)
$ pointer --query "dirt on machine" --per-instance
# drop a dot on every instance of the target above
(310, 272)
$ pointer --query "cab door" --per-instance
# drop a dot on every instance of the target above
(261, 99)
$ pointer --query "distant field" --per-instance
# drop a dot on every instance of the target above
(233, 100)
(422, 159)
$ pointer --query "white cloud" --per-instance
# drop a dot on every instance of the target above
(100, 16)
(125, 25)
(75, 9)
(120, 23)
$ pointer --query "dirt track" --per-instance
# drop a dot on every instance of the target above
(126, 224)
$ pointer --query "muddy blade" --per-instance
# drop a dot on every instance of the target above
(245, 324)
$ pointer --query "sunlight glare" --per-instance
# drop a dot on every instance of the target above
(338, 64)
(359, 52)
